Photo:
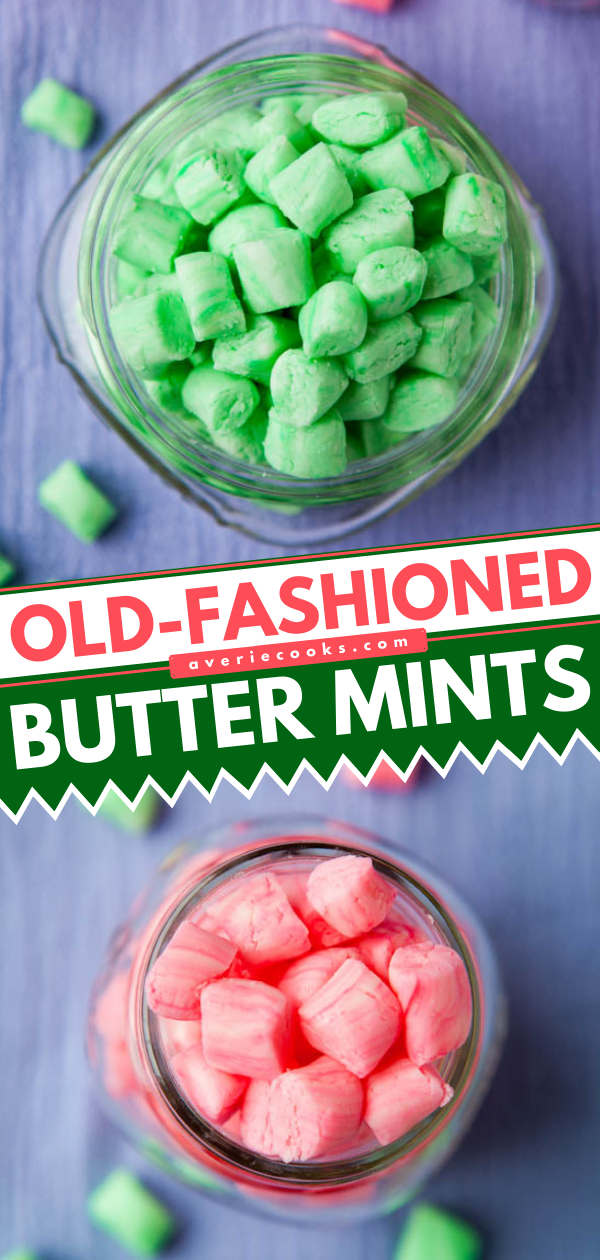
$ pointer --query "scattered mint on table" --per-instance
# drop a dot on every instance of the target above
(59, 113)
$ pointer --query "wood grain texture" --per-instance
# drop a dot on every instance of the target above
(521, 845)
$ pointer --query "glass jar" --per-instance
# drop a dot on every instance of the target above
(129, 1046)
(77, 287)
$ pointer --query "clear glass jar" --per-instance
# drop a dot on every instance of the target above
(129, 1053)
(77, 286)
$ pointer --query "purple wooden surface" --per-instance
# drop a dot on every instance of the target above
(522, 845)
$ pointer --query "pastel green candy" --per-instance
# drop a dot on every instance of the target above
(428, 213)
(475, 218)
(128, 279)
(313, 452)
(333, 321)
(385, 348)
(245, 223)
(303, 389)
(391, 280)
(486, 266)
(267, 163)
(275, 270)
(375, 222)
(245, 443)
(211, 183)
(447, 270)
(234, 129)
(349, 160)
(312, 191)
(136, 821)
(130, 1214)
(280, 120)
(431, 1234)
(419, 401)
(408, 161)
(158, 182)
(308, 106)
(254, 353)
(7, 570)
(222, 401)
(361, 118)
(76, 502)
(365, 402)
(165, 390)
(446, 325)
(210, 298)
(151, 235)
(59, 113)
(485, 314)
(453, 154)
(152, 330)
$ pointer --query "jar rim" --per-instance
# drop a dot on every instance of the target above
(460, 1070)
(488, 393)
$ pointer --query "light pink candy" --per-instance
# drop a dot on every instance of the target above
(305, 976)
(434, 992)
(192, 957)
(259, 918)
(246, 1028)
(180, 1034)
(376, 6)
(349, 894)
(354, 1018)
(322, 934)
(212, 1093)
(399, 1096)
(303, 1114)
(376, 949)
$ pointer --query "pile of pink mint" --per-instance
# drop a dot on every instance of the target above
(301, 1014)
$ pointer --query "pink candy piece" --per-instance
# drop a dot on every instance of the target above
(180, 1034)
(434, 992)
(376, 949)
(303, 1114)
(192, 957)
(212, 1093)
(400, 1096)
(321, 933)
(306, 975)
(354, 1018)
(246, 1028)
(349, 894)
(259, 918)
(376, 6)
(385, 778)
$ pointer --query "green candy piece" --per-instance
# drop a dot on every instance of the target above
(210, 298)
(419, 401)
(333, 321)
(303, 389)
(211, 183)
(360, 119)
(431, 1234)
(429, 213)
(391, 280)
(113, 810)
(447, 326)
(245, 443)
(275, 270)
(152, 330)
(365, 402)
(223, 402)
(447, 270)
(349, 160)
(128, 279)
(487, 266)
(151, 235)
(475, 218)
(76, 502)
(59, 113)
(165, 390)
(375, 222)
(129, 1213)
(255, 352)
(280, 120)
(408, 161)
(307, 105)
(385, 348)
(267, 163)
(451, 152)
(485, 318)
(234, 129)
(316, 451)
(312, 191)
(7, 570)
(245, 223)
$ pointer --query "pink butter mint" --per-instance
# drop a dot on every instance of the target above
(191, 958)
(433, 989)
(212, 1093)
(259, 918)
(304, 977)
(354, 1018)
(399, 1096)
(246, 1028)
(349, 894)
(303, 1114)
